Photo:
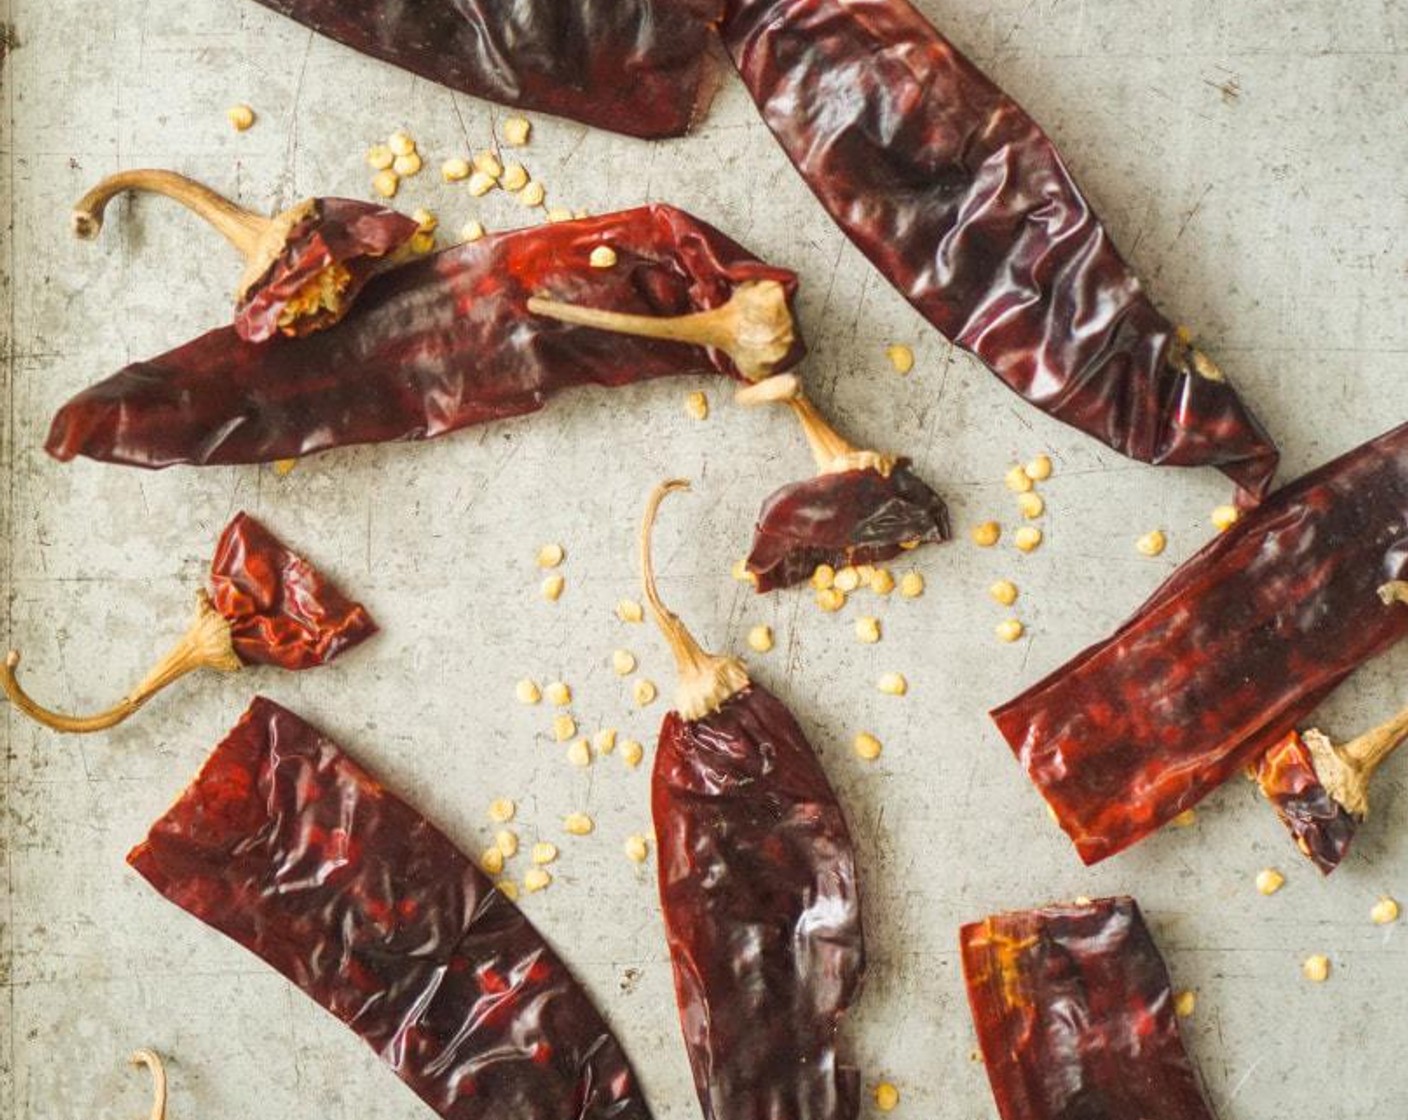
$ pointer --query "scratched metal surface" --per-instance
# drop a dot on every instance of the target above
(1251, 160)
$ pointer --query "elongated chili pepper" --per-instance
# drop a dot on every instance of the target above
(1074, 1013)
(287, 846)
(1238, 646)
(758, 886)
(303, 268)
(266, 606)
(440, 344)
(961, 201)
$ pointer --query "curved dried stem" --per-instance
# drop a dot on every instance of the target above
(831, 450)
(152, 1060)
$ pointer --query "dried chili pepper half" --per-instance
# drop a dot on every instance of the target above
(266, 606)
(1074, 1014)
(1238, 646)
(758, 886)
(963, 204)
(287, 846)
(443, 343)
(303, 268)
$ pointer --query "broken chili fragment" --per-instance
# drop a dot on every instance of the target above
(303, 268)
(287, 846)
(1074, 1013)
(266, 606)
(758, 885)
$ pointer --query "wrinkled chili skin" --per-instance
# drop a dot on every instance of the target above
(281, 609)
(287, 846)
(762, 911)
(1074, 1013)
(962, 202)
(430, 347)
(1236, 648)
(1319, 825)
(847, 517)
(634, 66)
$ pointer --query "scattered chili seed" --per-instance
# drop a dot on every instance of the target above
(380, 157)
(492, 861)
(1010, 629)
(544, 852)
(830, 599)
(579, 753)
(1027, 538)
(1184, 1003)
(1186, 819)
(1316, 968)
(536, 879)
(637, 848)
(1269, 881)
(1039, 469)
(422, 243)
(628, 610)
(696, 404)
(823, 577)
(886, 1097)
(578, 824)
(1017, 480)
(603, 256)
(472, 230)
(532, 195)
(868, 629)
(563, 727)
(1031, 505)
(508, 888)
(866, 572)
(386, 183)
(481, 184)
(550, 556)
(623, 662)
(425, 219)
(1385, 911)
(866, 746)
(559, 214)
(488, 163)
(527, 691)
(506, 841)
(453, 170)
(893, 684)
(401, 144)
(740, 571)
(883, 582)
(632, 753)
(516, 130)
(644, 692)
(987, 534)
(552, 588)
(1224, 517)
(760, 638)
(1004, 591)
(502, 809)
(1152, 543)
(604, 741)
(847, 579)
(241, 117)
(407, 166)
(284, 467)
(901, 357)
(514, 178)
(911, 585)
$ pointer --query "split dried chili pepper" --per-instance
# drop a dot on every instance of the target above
(634, 66)
(266, 606)
(1238, 646)
(758, 886)
(962, 202)
(1074, 1013)
(303, 268)
(287, 846)
(446, 342)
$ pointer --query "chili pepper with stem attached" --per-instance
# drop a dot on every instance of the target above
(266, 606)
(758, 887)
(287, 846)
(963, 204)
(303, 267)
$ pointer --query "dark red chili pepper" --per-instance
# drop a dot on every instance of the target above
(446, 342)
(303, 268)
(1074, 1012)
(287, 846)
(1236, 648)
(963, 203)
(758, 886)
(266, 606)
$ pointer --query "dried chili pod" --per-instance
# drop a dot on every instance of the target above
(440, 344)
(303, 268)
(758, 887)
(287, 846)
(266, 606)
(1238, 646)
(964, 205)
(1074, 1013)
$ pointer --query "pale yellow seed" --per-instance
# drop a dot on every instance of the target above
(401, 144)
(502, 809)
(1031, 505)
(380, 157)
(637, 848)
(563, 727)
(580, 753)
(1027, 538)
(480, 184)
(514, 178)
(552, 587)
(241, 117)
(867, 630)
(883, 582)
(492, 861)
(455, 169)
(1186, 819)
(623, 662)
(544, 852)
(536, 879)
(893, 684)
(508, 888)
(1269, 881)
(578, 824)
(1082, 900)
(1224, 517)
(386, 183)
(422, 242)
(1316, 968)
(987, 534)
(1385, 911)
(847, 579)
(1039, 469)
(696, 404)
(1004, 591)
(603, 256)
(550, 556)
(559, 214)
(527, 691)
(830, 599)
(632, 753)
(488, 163)
(1010, 630)
(426, 221)
(911, 585)
(1017, 481)
(740, 571)
(866, 746)
(1184, 1003)
(516, 131)
(901, 357)
(532, 195)
(506, 841)
(558, 694)
(284, 467)
(644, 693)
(760, 638)
(604, 741)
(866, 573)
(628, 610)
(823, 576)
(1152, 543)
(886, 1097)
(472, 230)
(407, 166)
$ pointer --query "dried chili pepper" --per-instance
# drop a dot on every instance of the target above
(1074, 1013)
(443, 343)
(758, 886)
(962, 202)
(303, 268)
(266, 606)
(287, 846)
(1236, 648)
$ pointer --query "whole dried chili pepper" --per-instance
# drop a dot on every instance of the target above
(758, 886)
(443, 343)
(1074, 1013)
(287, 846)
(266, 606)
(303, 268)
(962, 202)
(1238, 646)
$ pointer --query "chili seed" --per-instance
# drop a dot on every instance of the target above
(1039, 469)
(1027, 538)
(552, 588)
(380, 157)
(471, 231)
(644, 692)
(603, 256)
(1385, 911)
(453, 170)
(508, 888)
(1184, 1003)
(492, 861)
(1152, 543)
(536, 879)
(823, 576)
(1010, 629)
(901, 357)
(559, 694)
(559, 214)
(866, 572)
(407, 166)
(604, 741)
(696, 404)
(386, 183)
(422, 243)
(911, 585)
(532, 195)
(516, 131)
(578, 824)
(1269, 881)
(740, 571)
(241, 117)
(1004, 591)
(425, 220)
(579, 753)
(550, 556)
(830, 599)
(867, 630)
(506, 841)
(544, 852)
(1031, 505)
(563, 727)
(883, 582)
(1316, 968)
(623, 662)
(847, 579)
(760, 638)
(637, 848)
(401, 144)
(886, 1097)
(284, 467)
(488, 163)
(866, 746)
(480, 184)
(1017, 480)
(628, 610)
(527, 691)
(1224, 517)
(502, 809)
(632, 753)
(893, 684)
(514, 178)
(987, 534)
(1186, 819)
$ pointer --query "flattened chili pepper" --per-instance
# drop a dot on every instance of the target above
(303, 268)
(288, 847)
(443, 343)
(758, 886)
(962, 202)
(1074, 1012)
(266, 606)
(633, 66)
(1238, 646)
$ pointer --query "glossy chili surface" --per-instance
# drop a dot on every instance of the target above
(962, 202)
(1237, 646)
(762, 911)
(284, 844)
(430, 347)
(1319, 825)
(1074, 1014)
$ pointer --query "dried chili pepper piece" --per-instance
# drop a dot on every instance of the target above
(1074, 1013)
(1236, 648)
(287, 846)
(758, 885)
(266, 606)
(303, 268)
(962, 202)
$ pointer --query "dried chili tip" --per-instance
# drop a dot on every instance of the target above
(303, 267)
(152, 1061)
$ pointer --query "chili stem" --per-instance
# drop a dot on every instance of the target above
(152, 1060)
(833, 453)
